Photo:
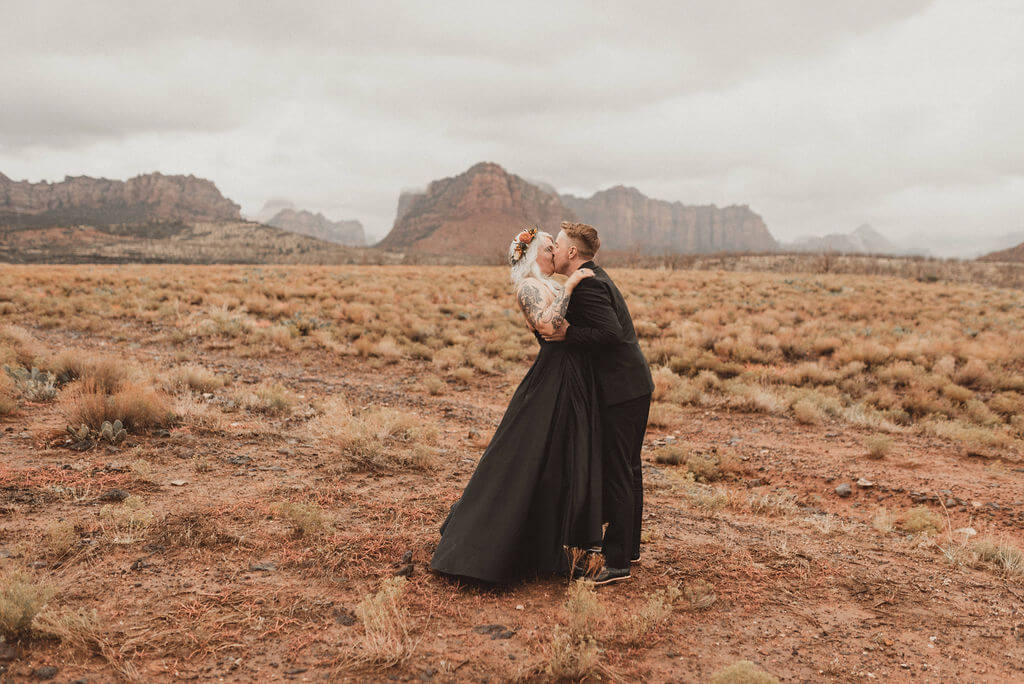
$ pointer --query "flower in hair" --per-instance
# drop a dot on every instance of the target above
(521, 244)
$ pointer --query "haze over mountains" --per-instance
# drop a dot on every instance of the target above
(863, 240)
(469, 216)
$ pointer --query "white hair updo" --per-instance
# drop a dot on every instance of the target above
(526, 265)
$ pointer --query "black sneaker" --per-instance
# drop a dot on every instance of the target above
(609, 575)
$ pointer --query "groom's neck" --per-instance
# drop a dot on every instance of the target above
(574, 266)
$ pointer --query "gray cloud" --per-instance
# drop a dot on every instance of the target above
(819, 115)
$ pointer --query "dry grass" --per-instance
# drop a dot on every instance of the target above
(374, 438)
(385, 639)
(742, 672)
(60, 538)
(21, 599)
(883, 520)
(572, 652)
(195, 378)
(878, 446)
(1005, 558)
(643, 621)
(921, 519)
(86, 401)
(305, 519)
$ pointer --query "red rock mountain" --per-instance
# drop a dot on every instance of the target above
(476, 214)
(1011, 254)
(319, 226)
(148, 198)
(627, 219)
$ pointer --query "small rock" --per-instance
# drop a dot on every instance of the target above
(238, 460)
(114, 495)
(404, 571)
(4, 553)
(45, 672)
(263, 567)
(462, 316)
(295, 670)
(495, 631)
(178, 483)
(755, 482)
(473, 433)
(844, 490)
(407, 557)
(865, 483)
(163, 433)
(344, 617)
(966, 532)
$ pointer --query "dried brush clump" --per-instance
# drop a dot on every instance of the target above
(921, 519)
(271, 399)
(742, 672)
(385, 640)
(1004, 558)
(878, 446)
(195, 378)
(650, 616)
(22, 597)
(376, 438)
(305, 519)
(572, 652)
(92, 401)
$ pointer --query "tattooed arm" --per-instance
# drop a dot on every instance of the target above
(547, 317)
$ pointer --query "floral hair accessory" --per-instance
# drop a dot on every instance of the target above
(521, 244)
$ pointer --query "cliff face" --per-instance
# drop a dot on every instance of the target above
(476, 213)
(627, 219)
(317, 225)
(76, 200)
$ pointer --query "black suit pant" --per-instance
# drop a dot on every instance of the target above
(623, 429)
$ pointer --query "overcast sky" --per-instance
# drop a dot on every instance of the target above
(819, 114)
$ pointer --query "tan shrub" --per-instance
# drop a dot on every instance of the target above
(21, 599)
(921, 519)
(807, 411)
(139, 408)
(385, 639)
(878, 446)
(742, 672)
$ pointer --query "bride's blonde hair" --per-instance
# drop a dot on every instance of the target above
(524, 263)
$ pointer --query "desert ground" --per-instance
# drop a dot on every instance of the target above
(834, 479)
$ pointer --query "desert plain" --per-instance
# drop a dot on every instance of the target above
(834, 479)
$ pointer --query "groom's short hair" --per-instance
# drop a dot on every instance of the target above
(585, 238)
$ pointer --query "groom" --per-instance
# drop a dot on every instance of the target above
(599, 322)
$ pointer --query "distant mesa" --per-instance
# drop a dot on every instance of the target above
(148, 198)
(474, 214)
(629, 220)
(478, 212)
(1011, 254)
(863, 240)
(303, 222)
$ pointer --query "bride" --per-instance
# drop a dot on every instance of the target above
(536, 491)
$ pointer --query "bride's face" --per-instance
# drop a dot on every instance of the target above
(546, 255)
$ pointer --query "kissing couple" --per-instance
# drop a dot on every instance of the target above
(565, 459)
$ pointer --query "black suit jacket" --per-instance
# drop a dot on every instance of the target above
(600, 322)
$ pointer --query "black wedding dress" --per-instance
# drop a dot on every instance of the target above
(537, 487)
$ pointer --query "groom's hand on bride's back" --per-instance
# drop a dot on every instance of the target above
(559, 334)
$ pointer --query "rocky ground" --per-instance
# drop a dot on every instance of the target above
(215, 584)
